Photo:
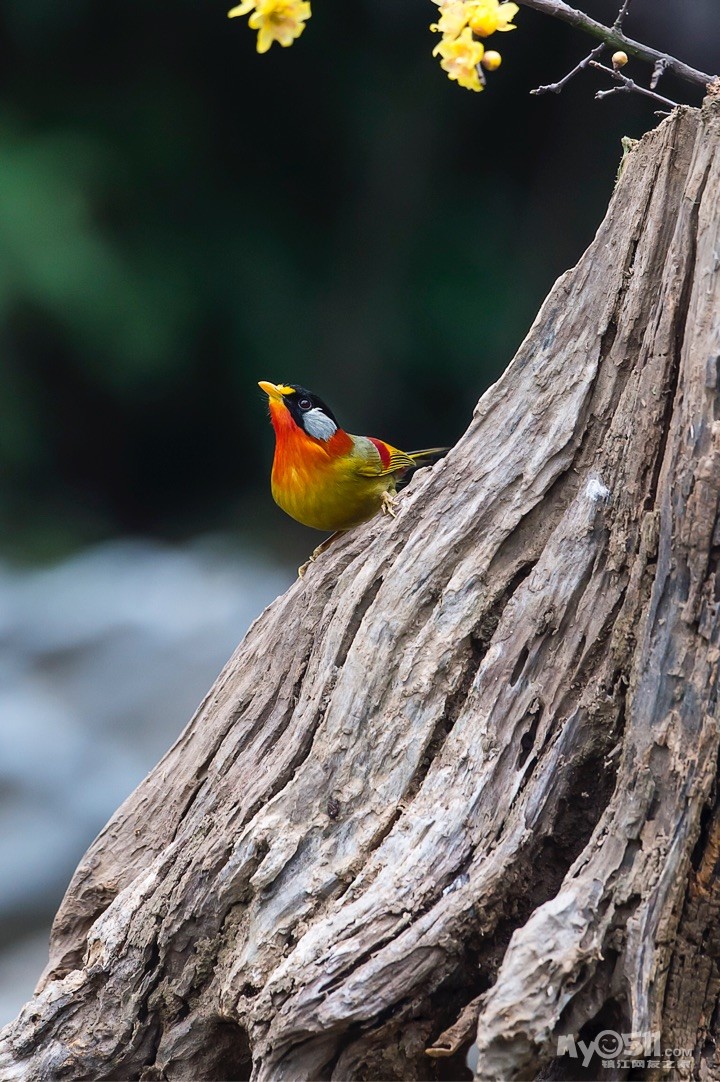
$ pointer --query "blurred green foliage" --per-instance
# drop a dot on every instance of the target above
(180, 217)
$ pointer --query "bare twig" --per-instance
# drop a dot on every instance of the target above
(615, 38)
(555, 88)
(617, 25)
(628, 86)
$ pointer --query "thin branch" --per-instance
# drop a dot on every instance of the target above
(555, 88)
(628, 86)
(616, 39)
(617, 25)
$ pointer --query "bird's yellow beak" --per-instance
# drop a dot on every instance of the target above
(275, 393)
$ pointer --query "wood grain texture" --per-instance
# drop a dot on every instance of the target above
(466, 766)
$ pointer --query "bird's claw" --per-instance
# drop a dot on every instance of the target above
(303, 567)
(387, 504)
(319, 551)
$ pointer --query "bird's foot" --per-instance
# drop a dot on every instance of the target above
(310, 560)
(319, 551)
(387, 504)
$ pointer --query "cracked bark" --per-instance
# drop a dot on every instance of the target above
(459, 783)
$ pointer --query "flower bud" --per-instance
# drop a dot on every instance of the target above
(491, 61)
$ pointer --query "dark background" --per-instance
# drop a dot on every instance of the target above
(180, 217)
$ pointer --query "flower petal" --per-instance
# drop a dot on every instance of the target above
(241, 9)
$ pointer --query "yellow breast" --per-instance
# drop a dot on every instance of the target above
(319, 485)
(330, 498)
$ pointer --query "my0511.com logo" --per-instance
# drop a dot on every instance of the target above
(625, 1050)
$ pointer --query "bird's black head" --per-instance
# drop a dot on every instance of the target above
(309, 412)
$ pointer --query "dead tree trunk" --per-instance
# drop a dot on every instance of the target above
(467, 767)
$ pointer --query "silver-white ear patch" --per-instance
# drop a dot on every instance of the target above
(318, 424)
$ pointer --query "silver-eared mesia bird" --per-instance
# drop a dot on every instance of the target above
(324, 477)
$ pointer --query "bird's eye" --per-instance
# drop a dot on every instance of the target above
(305, 404)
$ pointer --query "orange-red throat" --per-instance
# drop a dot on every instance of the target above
(307, 435)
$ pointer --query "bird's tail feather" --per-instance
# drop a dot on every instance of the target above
(430, 454)
(419, 458)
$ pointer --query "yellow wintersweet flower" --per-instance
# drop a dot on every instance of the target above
(460, 59)
(453, 18)
(274, 20)
(487, 16)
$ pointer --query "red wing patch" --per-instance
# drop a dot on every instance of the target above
(383, 451)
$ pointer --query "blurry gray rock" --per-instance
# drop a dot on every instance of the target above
(103, 659)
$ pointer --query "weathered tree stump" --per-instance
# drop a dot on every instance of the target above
(466, 768)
